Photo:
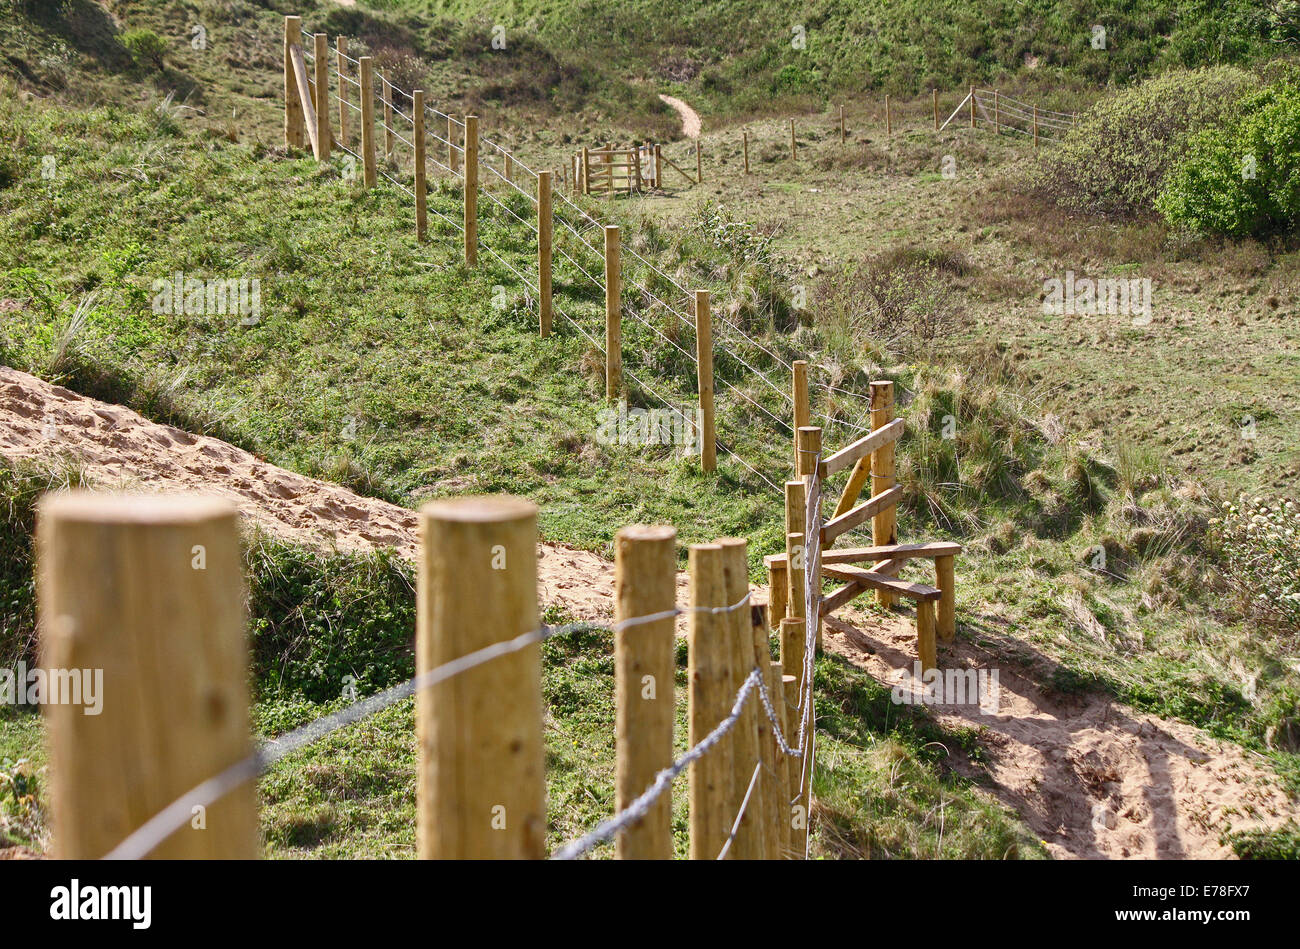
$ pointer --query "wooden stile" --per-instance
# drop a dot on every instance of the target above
(481, 782)
(645, 584)
(704, 358)
(710, 697)
(884, 524)
(946, 581)
(149, 592)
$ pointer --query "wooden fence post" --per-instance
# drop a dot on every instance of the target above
(699, 165)
(802, 410)
(709, 679)
(704, 359)
(471, 191)
(453, 160)
(421, 213)
(934, 95)
(613, 316)
(841, 125)
(481, 782)
(925, 645)
(341, 46)
(1035, 128)
(778, 592)
(768, 752)
(810, 447)
(323, 134)
(645, 583)
(295, 129)
(946, 581)
(997, 110)
(793, 651)
(544, 224)
(586, 168)
(884, 526)
(389, 145)
(145, 594)
(509, 174)
(796, 501)
(659, 167)
(794, 152)
(889, 120)
(745, 141)
(781, 765)
(972, 106)
(371, 171)
(751, 838)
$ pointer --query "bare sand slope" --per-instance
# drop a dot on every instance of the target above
(1093, 778)
(120, 449)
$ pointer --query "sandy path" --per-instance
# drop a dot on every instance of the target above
(690, 118)
(1091, 777)
(119, 449)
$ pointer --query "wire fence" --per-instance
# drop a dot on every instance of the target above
(574, 221)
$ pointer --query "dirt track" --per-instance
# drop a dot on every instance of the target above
(1091, 777)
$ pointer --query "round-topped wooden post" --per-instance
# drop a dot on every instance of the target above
(141, 604)
(481, 783)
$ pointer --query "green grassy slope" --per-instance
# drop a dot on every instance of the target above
(741, 54)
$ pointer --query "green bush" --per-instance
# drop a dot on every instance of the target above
(1116, 160)
(1242, 179)
(1261, 550)
(146, 47)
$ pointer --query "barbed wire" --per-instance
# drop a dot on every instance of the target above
(146, 838)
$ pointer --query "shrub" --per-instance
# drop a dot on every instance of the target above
(146, 47)
(1116, 159)
(1261, 547)
(1242, 179)
(894, 305)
